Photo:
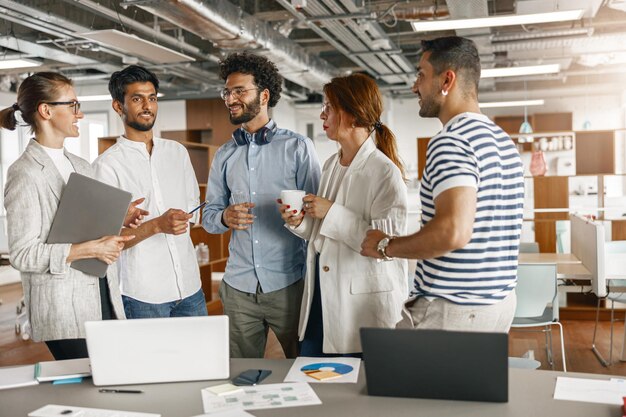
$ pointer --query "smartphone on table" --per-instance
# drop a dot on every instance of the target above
(251, 377)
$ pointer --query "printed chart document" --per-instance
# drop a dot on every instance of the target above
(260, 397)
(324, 370)
(233, 412)
(53, 410)
(590, 390)
(64, 369)
(17, 376)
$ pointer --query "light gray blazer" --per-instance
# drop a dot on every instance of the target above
(59, 298)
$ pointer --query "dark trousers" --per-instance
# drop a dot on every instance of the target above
(77, 348)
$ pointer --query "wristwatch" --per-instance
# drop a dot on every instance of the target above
(382, 247)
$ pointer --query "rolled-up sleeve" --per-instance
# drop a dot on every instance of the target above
(217, 196)
(308, 171)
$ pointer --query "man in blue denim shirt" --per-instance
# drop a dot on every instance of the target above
(262, 286)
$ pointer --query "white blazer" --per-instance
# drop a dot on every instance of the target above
(356, 291)
(59, 299)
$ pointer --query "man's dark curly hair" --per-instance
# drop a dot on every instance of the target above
(263, 70)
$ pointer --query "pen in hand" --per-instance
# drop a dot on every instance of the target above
(121, 391)
(198, 208)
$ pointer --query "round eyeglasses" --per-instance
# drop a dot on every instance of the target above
(326, 108)
(74, 104)
(235, 93)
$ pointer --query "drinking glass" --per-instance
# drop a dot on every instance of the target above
(385, 226)
(239, 197)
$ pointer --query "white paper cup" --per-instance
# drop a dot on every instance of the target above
(293, 198)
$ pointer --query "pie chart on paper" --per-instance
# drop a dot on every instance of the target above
(326, 370)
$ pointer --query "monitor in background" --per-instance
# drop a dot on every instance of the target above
(158, 350)
(436, 364)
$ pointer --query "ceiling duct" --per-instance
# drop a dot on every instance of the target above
(64, 30)
(433, 12)
(228, 27)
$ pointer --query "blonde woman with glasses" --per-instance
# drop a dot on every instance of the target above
(59, 298)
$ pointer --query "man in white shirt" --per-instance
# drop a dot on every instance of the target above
(159, 272)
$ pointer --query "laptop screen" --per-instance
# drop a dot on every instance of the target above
(437, 364)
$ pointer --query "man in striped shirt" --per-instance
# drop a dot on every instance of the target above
(472, 194)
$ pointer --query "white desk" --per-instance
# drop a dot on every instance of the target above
(548, 258)
(530, 394)
(568, 266)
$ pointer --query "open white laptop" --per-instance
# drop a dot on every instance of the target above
(158, 350)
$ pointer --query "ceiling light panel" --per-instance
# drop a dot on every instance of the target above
(135, 46)
(495, 21)
(517, 71)
(18, 63)
(518, 103)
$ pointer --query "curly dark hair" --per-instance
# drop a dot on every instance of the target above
(263, 70)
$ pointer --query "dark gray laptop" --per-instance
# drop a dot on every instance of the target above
(436, 364)
(89, 209)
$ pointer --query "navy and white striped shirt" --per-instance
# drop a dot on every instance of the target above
(472, 151)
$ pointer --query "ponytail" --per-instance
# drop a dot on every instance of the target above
(7, 117)
(386, 143)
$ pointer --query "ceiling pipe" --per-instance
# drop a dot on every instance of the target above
(343, 39)
(61, 28)
(367, 16)
(540, 34)
(228, 27)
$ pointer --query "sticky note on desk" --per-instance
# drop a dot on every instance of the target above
(224, 389)
(323, 375)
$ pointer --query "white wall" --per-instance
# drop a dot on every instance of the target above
(403, 119)
(285, 115)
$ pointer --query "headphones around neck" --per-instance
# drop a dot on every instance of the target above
(263, 136)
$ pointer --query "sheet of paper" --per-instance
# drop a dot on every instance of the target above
(260, 397)
(53, 410)
(17, 376)
(590, 390)
(233, 412)
(347, 367)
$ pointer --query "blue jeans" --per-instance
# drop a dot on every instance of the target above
(194, 305)
(312, 343)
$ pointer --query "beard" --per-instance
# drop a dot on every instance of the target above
(142, 127)
(430, 107)
(136, 124)
(249, 112)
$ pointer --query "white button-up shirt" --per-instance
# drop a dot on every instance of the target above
(162, 268)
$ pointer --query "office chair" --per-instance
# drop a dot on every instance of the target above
(538, 303)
